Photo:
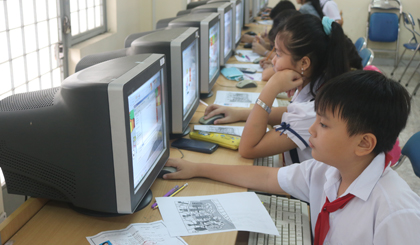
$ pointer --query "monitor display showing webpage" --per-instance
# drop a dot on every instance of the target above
(238, 22)
(214, 50)
(190, 76)
(146, 127)
(228, 32)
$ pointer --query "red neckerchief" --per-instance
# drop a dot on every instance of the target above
(323, 222)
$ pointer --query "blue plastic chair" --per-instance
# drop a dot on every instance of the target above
(367, 56)
(411, 150)
(383, 24)
(412, 45)
(360, 43)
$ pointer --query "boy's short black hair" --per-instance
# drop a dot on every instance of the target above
(369, 102)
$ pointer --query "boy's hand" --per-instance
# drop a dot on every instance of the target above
(247, 38)
(266, 63)
(185, 169)
(231, 115)
(284, 80)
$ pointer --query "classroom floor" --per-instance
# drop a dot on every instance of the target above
(413, 125)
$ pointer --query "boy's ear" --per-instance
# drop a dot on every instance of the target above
(366, 144)
(305, 63)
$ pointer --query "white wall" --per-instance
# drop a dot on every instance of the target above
(131, 16)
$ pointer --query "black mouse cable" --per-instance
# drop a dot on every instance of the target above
(182, 154)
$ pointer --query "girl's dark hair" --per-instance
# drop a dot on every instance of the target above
(280, 18)
(317, 6)
(368, 102)
(281, 6)
(303, 35)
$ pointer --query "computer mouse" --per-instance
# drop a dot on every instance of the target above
(246, 84)
(166, 170)
(251, 33)
(210, 121)
(248, 45)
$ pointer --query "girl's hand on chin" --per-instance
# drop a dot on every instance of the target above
(285, 80)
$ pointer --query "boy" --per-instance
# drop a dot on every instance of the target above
(359, 117)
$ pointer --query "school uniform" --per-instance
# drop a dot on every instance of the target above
(384, 210)
(299, 117)
(308, 8)
(330, 9)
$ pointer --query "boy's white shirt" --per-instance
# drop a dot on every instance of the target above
(300, 115)
(384, 210)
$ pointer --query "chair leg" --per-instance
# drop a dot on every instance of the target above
(412, 75)
(408, 66)
(398, 62)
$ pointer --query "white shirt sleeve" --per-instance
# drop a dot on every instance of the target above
(300, 116)
(296, 179)
(331, 10)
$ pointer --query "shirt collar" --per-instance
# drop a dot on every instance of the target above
(304, 95)
(362, 186)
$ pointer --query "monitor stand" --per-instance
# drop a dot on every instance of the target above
(177, 136)
(148, 197)
(205, 96)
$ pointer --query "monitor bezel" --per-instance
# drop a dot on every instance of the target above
(177, 46)
(206, 49)
(127, 199)
(241, 20)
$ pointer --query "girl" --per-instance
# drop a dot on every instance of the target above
(308, 52)
(311, 7)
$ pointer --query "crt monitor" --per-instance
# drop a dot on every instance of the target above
(226, 15)
(192, 5)
(238, 19)
(180, 47)
(209, 45)
(97, 142)
(248, 13)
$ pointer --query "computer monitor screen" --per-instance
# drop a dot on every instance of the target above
(190, 76)
(146, 127)
(214, 51)
(180, 47)
(239, 19)
(228, 33)
(97, 142)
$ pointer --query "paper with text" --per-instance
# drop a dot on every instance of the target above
(237, 99)
(187, 216)
(154, 233)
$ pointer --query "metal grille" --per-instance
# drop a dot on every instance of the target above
(86, 15)
(29, 36)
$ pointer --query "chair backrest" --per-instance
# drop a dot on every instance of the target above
(360, 43)
(412, 150)
(409, 24)
(383, 27)
(367, 56)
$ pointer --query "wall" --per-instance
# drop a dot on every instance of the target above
(131, 16)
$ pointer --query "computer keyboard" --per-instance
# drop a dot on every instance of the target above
(292, 221)
(270, 161)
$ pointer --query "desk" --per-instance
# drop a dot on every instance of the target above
(56, 223)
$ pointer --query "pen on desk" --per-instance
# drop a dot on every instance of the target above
(249, 76)
(247, 57)
(167, 194)
(176, 192)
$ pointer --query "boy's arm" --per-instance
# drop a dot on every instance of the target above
(251, 177)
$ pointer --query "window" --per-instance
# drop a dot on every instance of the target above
(29, 37)
(34, 44)
(87, 19)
